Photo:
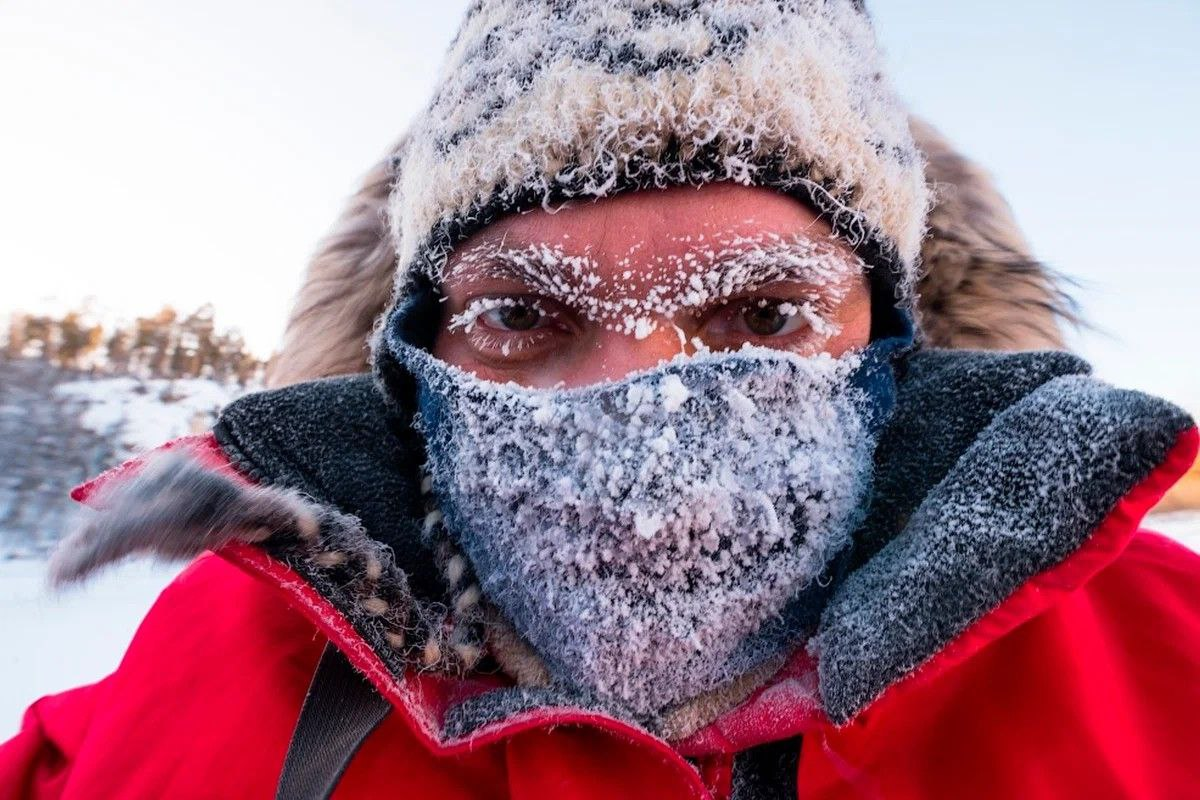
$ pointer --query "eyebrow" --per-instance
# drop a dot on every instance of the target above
(538, 264)
(715, 269)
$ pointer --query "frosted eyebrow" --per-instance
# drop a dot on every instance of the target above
(539, 265)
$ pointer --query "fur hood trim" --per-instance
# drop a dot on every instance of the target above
(982, 287)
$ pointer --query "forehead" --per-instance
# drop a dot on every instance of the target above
(639, 237)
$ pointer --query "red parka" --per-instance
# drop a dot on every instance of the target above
(1083, 682)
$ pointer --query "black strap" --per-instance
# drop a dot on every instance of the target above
(767, 771)
(339, 713)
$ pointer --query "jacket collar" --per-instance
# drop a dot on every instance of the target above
(1000, 476)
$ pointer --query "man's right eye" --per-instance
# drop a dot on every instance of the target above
(517, 315)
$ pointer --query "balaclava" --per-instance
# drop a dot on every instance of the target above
(655, 537)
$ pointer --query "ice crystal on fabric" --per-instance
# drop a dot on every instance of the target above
(641, 534)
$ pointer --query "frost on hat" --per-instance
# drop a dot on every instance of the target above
(544, 101)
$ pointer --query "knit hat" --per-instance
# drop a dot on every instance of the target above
(541, 101)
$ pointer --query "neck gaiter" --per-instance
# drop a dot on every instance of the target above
(656, 537)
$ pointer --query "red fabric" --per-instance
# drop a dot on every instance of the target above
(1082, 684)
(1095, 698)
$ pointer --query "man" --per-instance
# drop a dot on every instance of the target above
(654, 491)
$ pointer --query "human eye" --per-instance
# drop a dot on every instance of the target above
(765, 318)
(505, 313)
(757, 317)
(510, 327)
(792, 323)
(510, 314)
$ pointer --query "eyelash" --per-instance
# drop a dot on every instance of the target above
(803, 306)
(481, 306)
(507, 343)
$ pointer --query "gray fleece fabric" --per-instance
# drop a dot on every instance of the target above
(972, 507)
(338, 441)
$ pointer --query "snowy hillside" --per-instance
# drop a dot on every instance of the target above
(137, 415)
(1182, 526)
(59, 427)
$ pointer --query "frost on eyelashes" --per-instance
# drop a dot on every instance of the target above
(648, 289)
(641, 534)
(477, 308)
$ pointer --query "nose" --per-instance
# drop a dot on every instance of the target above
(617, 354)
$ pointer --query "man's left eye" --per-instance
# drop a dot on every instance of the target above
(771, 317)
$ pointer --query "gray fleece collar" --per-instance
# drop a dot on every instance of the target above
(995, 468)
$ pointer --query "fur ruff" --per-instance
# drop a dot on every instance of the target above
(174, 509)
(981, 287)
(177, 509)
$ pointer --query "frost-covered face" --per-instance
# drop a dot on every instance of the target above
(649, 423)
(655, 537)
(597, 290)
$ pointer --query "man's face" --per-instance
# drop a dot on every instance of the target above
(597, 290)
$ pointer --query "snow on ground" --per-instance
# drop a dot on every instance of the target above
(139, 415)
(1182, 526)
(52, 643)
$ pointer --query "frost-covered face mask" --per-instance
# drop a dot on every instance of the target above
(657, 537)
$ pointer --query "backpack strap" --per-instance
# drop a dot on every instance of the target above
(339, 713)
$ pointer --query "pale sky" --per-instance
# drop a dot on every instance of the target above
(161, 151)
